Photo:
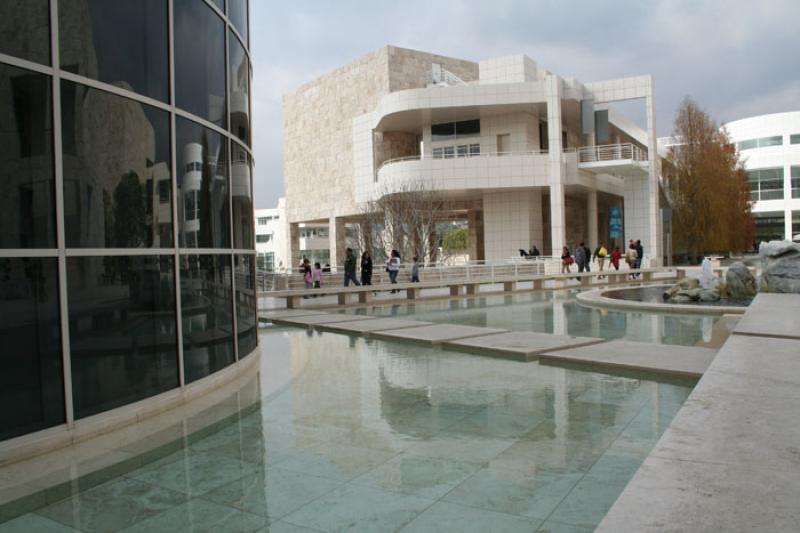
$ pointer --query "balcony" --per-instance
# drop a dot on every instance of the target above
(624, 160)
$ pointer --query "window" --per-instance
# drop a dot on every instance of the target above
(462, 150)
(455, 130)
(119, 216)
(763, 142)
(239, 86)
(237, 12)
(770, 226)
(123, 348)
(246, 319)
(199, 62)
(26, 172)
(747, 145)
(25, 28)
(796, 182)
(242, 186)
(794, 138)
(204, 187)
(449, 151)
(262, 221)
(438, 153)
(474, 149)
(136, 30)
(164, 192)
(262, 238)
(543, 135)
(766, 184)
(31, 362)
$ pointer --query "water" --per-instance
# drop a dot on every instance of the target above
(363, 435)
(556, 312)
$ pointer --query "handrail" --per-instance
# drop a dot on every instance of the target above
(420, 157)
(611, 152)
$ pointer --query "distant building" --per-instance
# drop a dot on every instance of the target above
(271, 237)
(521, 155)
(769, 145)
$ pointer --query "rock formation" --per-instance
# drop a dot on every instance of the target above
(780, 266)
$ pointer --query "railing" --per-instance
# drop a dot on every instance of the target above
(467, 156)
(515, 267)
(611, 152)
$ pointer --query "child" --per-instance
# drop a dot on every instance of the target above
(615, 257)
(316, 276)
(306, 276)
(415, 271)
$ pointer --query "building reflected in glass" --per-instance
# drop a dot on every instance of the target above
(126, 238)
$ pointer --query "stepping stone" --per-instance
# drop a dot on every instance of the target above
(368, 326)
(640, 356)
(326, 318)
(771, 315)
(519, 345)
(268, 315)
(436, 333)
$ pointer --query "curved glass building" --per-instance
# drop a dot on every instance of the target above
(126, 218)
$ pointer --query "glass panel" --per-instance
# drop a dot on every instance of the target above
(443, 132)
(770, 141)
(122, 330)
(241, 183)
(448, 152)
(437, 153)
(220, 4)
(462, 150)
(795, 138)
(207, 314)
(31, 379)
(468, 128)
(200, 62)
(27, 184)
(246, 322)
(748, 144)
(771, 194)
(474, 149)
(122, 43)
(202, 186)
(769, 226)
(239, 91)
(237, 13)
(114, 146)
(25, 30)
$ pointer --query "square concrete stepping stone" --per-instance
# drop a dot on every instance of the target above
(268, 315)
(436, 333)
(771, 315)
(676, 360)
(368, 326)
(519, 345)
(313, 320)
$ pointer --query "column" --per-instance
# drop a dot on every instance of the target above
(558, 224)
(293, 252)
(472, 234)
(591, 216)
(654, 246)
(536, 223)
(336, 241)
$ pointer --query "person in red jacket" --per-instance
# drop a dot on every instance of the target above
(615, 257)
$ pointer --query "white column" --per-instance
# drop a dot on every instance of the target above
(558, 226)
(536, 224)
(653, 247)
(591, 214)
(336, 235)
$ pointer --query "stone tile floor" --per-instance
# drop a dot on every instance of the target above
(382, 436)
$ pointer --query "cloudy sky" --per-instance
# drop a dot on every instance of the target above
(735, 58)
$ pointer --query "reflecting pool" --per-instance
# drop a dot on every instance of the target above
(557, 312)
(362, 435)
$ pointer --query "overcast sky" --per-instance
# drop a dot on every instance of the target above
(735, 58)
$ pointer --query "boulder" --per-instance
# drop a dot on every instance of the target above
(709, 295)
(739, 281)
(686, 284)
(780, 266)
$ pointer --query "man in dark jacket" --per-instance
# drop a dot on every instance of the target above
(639, 255)
(350, 268)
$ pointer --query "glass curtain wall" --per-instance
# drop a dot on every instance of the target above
(125, 272)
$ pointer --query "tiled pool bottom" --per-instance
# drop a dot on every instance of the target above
(559, 312)
(375, 436)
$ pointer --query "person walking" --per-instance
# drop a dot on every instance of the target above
(566, 260)
(393, 267)
(631, 256)
(616, 255)
(307, 277)
(587, 253)
(639, 255)
(580, 257)
(316, 276)
(415, 271)
(600, 254)
(350, 268)
(366, 268)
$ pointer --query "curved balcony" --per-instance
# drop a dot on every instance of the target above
(626, 159)
(484, 171)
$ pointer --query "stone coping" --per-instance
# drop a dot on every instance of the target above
(730, 460)
(436, 333)
(596, 298)
(366, 327)
(774, 315)
(518, 345)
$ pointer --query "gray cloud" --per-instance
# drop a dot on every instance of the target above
(735, 58)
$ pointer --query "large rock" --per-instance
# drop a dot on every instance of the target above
(739, 281)
(780, 266)
(686, 284)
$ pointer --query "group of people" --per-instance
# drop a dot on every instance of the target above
(312, 277)
(584, 257)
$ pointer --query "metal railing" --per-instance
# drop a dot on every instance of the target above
(491, 270)
(419, 157)
(611, 152)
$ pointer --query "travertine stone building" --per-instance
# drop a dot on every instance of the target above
(523, 156)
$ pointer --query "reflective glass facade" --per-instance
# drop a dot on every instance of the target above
(126, 241)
